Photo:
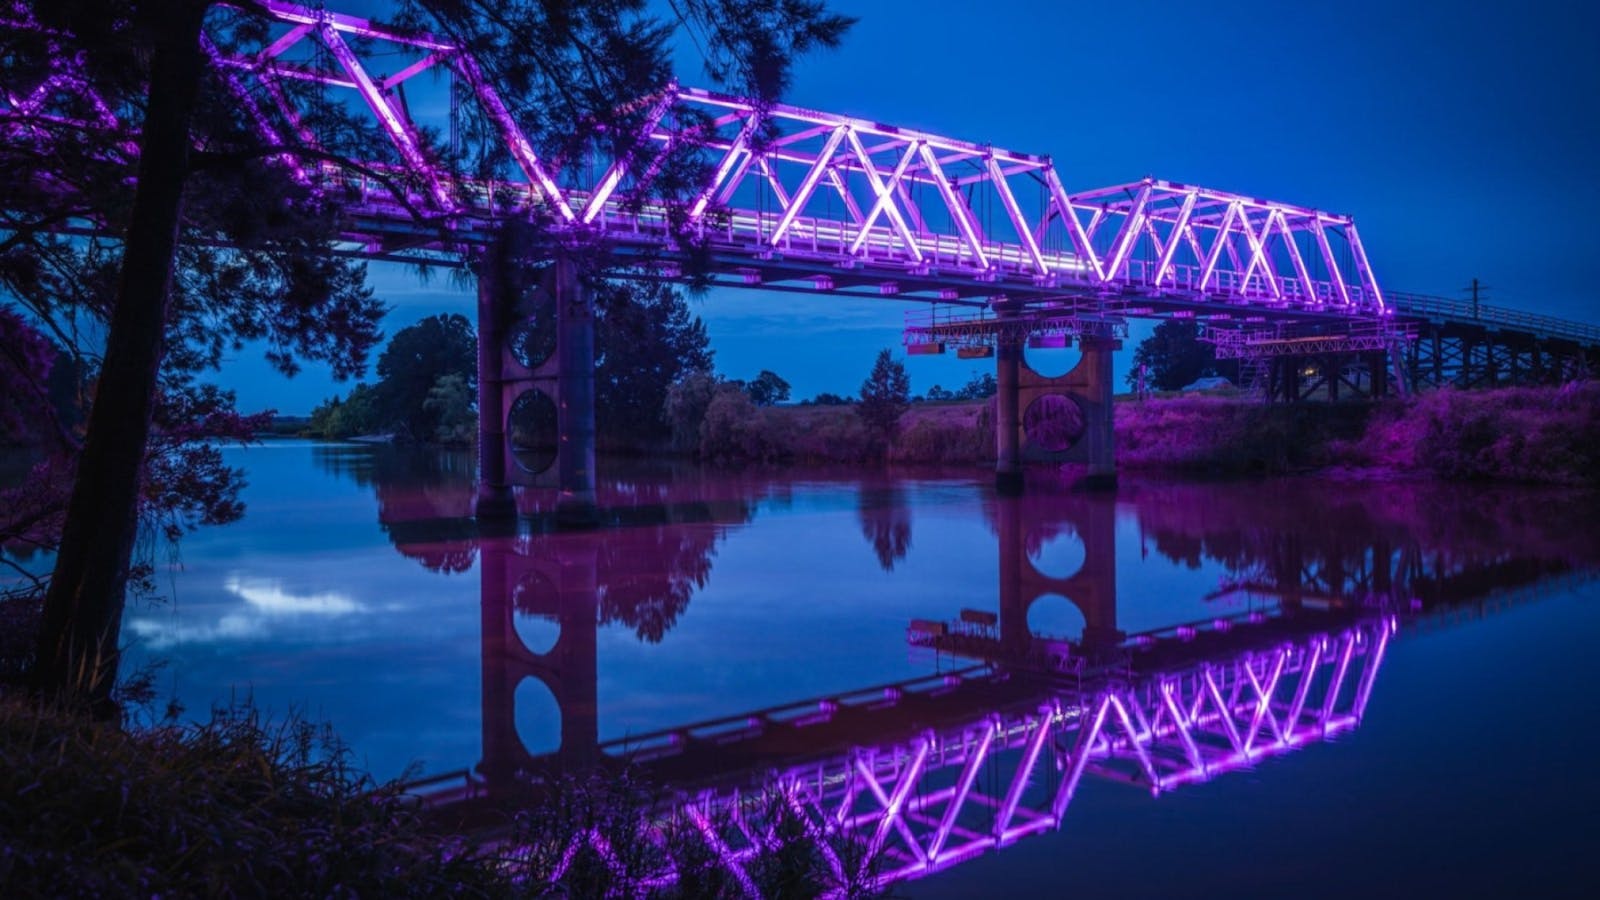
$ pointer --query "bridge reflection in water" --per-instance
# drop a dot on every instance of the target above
(992, 742)
(935, 770)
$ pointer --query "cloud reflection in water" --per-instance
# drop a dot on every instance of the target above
(265, 602)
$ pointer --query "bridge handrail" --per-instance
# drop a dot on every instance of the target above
(1465, 311)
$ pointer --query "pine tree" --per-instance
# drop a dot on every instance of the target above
(885, 395)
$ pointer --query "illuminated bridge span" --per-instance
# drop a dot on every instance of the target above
(938, 796)
(785, 198)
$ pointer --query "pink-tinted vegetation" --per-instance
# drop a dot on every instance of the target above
(1547, 435)
(1231, 434)
(1515, 434)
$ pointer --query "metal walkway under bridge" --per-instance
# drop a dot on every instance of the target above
(992, 240)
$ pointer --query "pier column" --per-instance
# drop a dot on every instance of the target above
(575, 505)
(1099, 433)
(494, 499)
(1007, 423)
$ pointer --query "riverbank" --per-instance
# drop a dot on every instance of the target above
(1536, 435)
(241, 805)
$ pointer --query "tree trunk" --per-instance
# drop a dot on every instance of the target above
(78, 641)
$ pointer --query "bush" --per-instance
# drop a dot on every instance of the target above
(231, 807)
(1516, 434)
(940, 439)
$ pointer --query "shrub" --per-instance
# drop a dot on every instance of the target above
(231, 807)
(1515, 434)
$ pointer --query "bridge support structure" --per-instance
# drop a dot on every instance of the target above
(1038, 418)
(1007, 425)
(1472, 355)
(536, 425)
(1063, 419)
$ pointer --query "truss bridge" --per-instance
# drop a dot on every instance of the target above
(998, 244)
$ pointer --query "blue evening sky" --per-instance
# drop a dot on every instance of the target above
(1463, 136)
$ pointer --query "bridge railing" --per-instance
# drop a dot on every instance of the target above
(1449, 310)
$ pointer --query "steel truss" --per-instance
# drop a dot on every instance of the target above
(948, 795)
(790, 195)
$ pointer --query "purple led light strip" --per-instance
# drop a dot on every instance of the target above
(924, 195)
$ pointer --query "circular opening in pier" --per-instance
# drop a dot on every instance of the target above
(532, 337)
(537, 717)
(1056, 554)
(1050, 361)
(538, 633)
(1053, 615)
(531, 430)
(534, 602)
(1053, 422)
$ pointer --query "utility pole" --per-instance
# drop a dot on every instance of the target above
(1475, 298)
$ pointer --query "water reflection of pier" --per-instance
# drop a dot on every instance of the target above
(938, 769)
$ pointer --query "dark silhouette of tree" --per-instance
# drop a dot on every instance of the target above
(767, 389)
(827, 399)
(980, 387)
(214, 242)
(645, 341)
(1176, 357)
(416, 358)
(884, 397)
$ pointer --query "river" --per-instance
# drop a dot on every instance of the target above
(356, 590)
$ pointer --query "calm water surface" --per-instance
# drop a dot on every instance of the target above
(356, 590)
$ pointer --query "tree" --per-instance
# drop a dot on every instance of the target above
(416, 358)
(687, 402)
(827, 399)
(767, 389)
(980, 387)
(216, 241)
(451, 401)
(1176, 357)
(645, 342)
(884, 397)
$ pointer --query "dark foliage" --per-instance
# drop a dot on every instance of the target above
(767, 389)
(417, 357)
(884, 397)
(645, 341)
(234, 807)
(1176, 357)
(980, 387)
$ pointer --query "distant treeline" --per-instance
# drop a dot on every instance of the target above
(1547, 435)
